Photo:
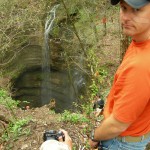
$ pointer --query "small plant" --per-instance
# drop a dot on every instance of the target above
(7, 101)
(94, 88)
(103, 74)
(52, 112)
(15, 126)
(87, 108)
(68, 116)
(15, 129)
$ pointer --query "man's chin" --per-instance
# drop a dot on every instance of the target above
(127, 33)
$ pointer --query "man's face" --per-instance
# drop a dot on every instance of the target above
(135, 22)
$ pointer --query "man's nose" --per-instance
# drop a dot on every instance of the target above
(126, 16)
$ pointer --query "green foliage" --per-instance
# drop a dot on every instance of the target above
(7, 101)
(94, 88)
(99, 74)
(20, 20)
(52, 112)
(68, 116)
(103, 74)
(15, 129)
(93, 61)
(85, 107)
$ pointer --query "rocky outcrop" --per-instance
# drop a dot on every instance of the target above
(67, 80)
(65, 83)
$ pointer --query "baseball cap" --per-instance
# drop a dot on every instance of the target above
(132, 3)
(54, 145)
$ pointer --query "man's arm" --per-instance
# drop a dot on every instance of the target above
(109, 129)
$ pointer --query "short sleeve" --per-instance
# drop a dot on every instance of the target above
(132, 93)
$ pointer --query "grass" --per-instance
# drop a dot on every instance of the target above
(14, 129)
(68, 116)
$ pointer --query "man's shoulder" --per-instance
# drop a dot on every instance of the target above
(143, 60)
(136, 65)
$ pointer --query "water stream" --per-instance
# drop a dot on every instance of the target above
(46, 73)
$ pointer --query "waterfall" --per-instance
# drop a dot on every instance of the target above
(46, 73)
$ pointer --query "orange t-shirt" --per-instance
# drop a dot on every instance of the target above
(129, 97)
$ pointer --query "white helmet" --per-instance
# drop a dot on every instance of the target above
(54, 145)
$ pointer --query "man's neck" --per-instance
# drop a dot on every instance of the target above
(141, 38)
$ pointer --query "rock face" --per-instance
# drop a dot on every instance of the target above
(65, 84)
(67, 81)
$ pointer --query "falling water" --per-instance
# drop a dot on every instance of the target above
(46, 73)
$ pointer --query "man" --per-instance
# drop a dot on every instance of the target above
(126, 124)
(58, 145)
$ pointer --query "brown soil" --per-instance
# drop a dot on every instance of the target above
(42, 119)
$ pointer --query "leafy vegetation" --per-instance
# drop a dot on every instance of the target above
(8, 102)
(14, 128)
(19, 23)
(68, 116)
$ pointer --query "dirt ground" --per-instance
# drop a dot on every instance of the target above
(42, 119)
